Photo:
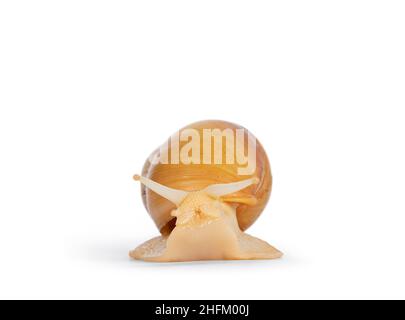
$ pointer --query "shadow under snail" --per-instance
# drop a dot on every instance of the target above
(200, 207)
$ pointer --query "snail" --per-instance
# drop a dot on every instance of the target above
(203, 194)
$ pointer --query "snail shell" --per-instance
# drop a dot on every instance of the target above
(198, 176)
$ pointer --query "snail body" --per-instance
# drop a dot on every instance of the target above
(204, 199)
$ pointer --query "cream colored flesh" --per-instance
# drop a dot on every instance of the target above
(206, 229)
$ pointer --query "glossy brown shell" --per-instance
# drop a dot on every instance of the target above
(196, 177)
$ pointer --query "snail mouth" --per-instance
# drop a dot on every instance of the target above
(205, 236)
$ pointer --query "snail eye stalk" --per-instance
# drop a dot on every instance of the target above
(173, 195)
(220, 190)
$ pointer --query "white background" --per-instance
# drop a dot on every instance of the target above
(89, 88)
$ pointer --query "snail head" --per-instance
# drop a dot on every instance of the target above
(208, 203)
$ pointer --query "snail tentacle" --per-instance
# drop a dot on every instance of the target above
(219, 190)
(173, 195)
